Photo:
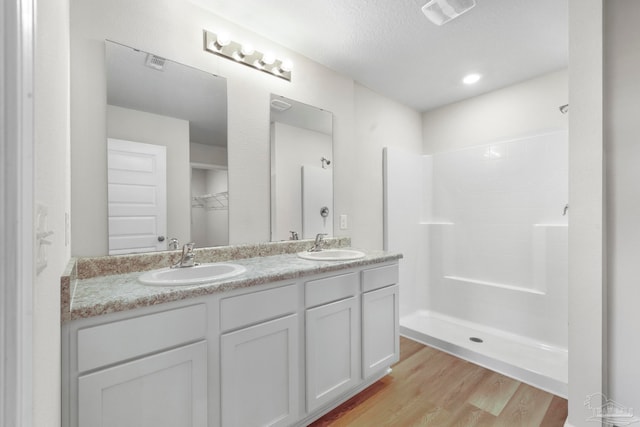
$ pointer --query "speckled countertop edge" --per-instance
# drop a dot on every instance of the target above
(102, 295)
(100, 285)
(88, 267)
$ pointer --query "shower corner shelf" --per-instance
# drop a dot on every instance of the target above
(216, 201)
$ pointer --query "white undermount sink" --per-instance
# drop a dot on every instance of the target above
(332, 255)
(198, 274)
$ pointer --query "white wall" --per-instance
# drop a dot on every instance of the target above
(174, 30)
(461, 129)
(404, 185)
(291, 148)
(622, 151)
(51, 189)
(530, 107)
(140, 126)
(586, 289)
(380, 122)
(497, 235)
(208, 154)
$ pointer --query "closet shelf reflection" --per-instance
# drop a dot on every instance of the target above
(217, 201)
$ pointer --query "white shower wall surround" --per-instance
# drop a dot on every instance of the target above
(492, 250)
(496, 221)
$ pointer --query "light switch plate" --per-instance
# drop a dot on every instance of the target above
(343, 222)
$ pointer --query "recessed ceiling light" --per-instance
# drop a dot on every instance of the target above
(471, 79)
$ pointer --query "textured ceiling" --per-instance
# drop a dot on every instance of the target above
(392, 48)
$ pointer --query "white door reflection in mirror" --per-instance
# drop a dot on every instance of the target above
(158, 101)
(137, 196)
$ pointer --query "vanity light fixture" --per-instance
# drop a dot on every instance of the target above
(222, 45)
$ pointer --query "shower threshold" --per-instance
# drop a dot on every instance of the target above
(538, 364)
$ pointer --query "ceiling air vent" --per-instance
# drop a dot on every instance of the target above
(280, 105)
(155, 62)
(442, 11)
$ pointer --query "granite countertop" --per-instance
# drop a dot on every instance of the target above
(100, 295)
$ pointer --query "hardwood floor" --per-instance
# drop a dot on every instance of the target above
(431, 388)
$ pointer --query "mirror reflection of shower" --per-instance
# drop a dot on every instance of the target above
(300, 135)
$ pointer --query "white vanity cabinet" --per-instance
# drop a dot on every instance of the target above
(145, 371)
(279, 354)
(259, 358)
(332, 338)
(380, 325)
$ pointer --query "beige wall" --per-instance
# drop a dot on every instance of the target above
(140, 126)
(526, 108)
(51, 190)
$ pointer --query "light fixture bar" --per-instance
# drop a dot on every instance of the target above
(220, 44)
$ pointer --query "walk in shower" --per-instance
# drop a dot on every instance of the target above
(484, 233)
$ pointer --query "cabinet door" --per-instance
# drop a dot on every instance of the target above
(168, 389)
(331, 351)
(380, 330)
(259, 374)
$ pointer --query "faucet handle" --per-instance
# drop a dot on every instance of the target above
(187, 250)
(187, 258)
(173, 244)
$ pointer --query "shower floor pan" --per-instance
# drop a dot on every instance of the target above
(531, 362)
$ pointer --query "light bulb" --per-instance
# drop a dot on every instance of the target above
(247, 49)
(471, 79)
(222, 40)
(286, 66)
(268, 58)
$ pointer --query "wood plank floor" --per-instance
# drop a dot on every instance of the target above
(431, 388)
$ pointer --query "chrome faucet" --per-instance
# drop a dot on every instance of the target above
(317, 245)
(188, 257)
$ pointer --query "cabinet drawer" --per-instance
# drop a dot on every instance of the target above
(243, 310)
(125, 339)
(375, 278)
(334, 288)
(167, 389)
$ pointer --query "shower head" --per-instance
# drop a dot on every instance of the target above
(564, 109)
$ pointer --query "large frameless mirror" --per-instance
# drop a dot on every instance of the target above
(301, 170)
(167, 153)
